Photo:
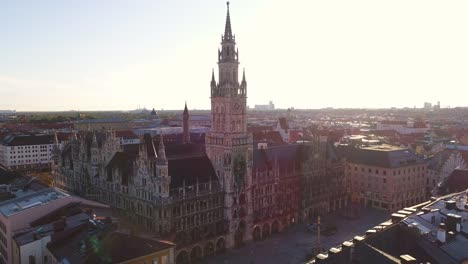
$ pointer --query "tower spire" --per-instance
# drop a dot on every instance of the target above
(243, 75)
(227, 28)
(186, 125)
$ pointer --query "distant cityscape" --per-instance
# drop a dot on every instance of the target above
(235, 184)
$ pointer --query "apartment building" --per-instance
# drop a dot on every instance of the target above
(26, 151)
(384, 176)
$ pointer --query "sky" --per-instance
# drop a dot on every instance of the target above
(117, 55)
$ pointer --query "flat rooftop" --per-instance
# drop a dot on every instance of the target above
(385, 156)
(384, 147)
(30, 200)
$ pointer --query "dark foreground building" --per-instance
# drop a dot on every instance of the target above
(432, 232)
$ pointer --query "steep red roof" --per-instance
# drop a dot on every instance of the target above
(270, 136)
(457, 181)
(125, 134)
(283, 123)
(295, 135)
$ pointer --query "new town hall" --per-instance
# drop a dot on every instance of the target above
(212, 192)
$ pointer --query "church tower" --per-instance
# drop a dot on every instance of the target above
(228, 144)
(186, 125)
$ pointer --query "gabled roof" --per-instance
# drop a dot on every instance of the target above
(283, 122)
(457, 181)
(287, 157)
(189, 169)
(125, 134)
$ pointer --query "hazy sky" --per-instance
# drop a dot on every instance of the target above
(115, 54)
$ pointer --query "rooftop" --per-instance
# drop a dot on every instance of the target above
(384, 147)
(30, 199)
(385, 156)
(36, 233)
(412, 234)
(28, 139)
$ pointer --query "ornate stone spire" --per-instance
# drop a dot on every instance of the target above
(212, 77)
(243, 76)
(186, 125)
(161, 149)
(227, 27)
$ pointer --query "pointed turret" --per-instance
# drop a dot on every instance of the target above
(227, 27)
(243, 77)
(213, 80)
(94, 144)
(56, 142)
(243, 86)
(186, 125)
(213, 84)
(161, 149)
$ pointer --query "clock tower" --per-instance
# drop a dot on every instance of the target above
(228, 144)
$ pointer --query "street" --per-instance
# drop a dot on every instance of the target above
(293, 245)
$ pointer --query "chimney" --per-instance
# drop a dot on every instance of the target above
(453, 222)
(450, 205)
(407, 259)
(441, 233)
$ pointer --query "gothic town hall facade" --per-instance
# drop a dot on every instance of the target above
(206, 194)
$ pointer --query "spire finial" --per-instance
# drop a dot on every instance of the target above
(227, 29)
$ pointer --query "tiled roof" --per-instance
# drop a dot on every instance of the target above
(273, 137)
(457, 181)
(125, 134)
(189, 169)
(287, 157)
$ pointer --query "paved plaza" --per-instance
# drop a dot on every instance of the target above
(293, 245)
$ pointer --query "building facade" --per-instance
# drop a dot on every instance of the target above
(384, 176)
(203, 195)
(27, 152)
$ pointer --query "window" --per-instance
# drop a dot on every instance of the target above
(32, 260)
